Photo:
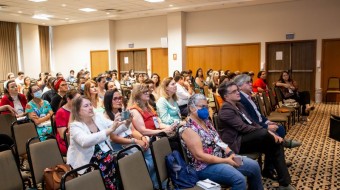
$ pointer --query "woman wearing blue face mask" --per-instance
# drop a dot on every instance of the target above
(211, 157)
(39, 111)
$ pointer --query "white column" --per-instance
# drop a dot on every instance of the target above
(176, 41)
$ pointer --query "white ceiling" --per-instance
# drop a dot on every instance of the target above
(66, 11)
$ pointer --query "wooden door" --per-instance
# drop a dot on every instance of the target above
(159, 62)
(99, 62)
(135, 59)
(275, 62)
(330, 65)
(140, 61)
(298, 58)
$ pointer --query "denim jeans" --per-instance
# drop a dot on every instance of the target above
(226, 174)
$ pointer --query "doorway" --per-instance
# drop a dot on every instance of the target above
(99, 62)
(135, 59)
(330, 65)
(159, 62)
(296, 57)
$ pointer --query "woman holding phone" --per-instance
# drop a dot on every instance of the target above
(125, 134)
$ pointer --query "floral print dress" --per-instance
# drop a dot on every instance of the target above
(209, 138)
(105, 162)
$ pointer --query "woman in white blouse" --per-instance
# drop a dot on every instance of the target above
(89, 140)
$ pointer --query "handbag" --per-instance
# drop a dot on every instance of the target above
(52, 176)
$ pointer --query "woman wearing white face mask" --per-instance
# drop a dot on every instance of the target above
(39, 111)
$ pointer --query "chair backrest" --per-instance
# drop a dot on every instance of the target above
(6, 121)
(206, 91)
(260, 104)
(133, 171)
(42, 155)
(88, 181)
(216, 121)
(333, 83)
(21, 134)
(10, 176)
(279, 95)
(160, 149)
(267, 104)
(272, 99)
(217, 100)
(7, 140)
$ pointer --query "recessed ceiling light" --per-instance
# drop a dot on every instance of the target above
(170, 5)
(63, 5)
(88, 9)
(154, 1)
(42, 16)
(20, 12)
(37, 1)
(107, 13)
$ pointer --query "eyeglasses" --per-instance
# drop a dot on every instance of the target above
(203, 106)
(120, 98)
(234, 91)
(146, 92)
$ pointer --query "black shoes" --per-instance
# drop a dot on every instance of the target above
(271, 174)
(288, 143)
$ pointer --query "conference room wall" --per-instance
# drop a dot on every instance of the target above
(30, 54)
(142, 32)
(72, 44)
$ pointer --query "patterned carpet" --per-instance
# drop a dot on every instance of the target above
(316, 164)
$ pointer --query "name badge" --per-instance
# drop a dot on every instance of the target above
(246, 118)
(103, 146)
(155, 121)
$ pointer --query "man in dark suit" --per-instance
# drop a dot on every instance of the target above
(242, 81)
(244, 135)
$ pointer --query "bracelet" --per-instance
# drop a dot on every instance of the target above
(133, 141)
(230, 153)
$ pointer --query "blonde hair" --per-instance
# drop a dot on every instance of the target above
(163, 92)
(136, 94)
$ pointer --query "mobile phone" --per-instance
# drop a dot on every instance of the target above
(238, 159)
(125, 115)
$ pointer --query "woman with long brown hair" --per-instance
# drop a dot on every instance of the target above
(91, 92)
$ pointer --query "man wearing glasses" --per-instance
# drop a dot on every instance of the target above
(244, 135)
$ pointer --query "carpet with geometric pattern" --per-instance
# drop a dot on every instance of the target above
(316, 163)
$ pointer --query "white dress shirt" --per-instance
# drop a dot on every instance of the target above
(182, 95)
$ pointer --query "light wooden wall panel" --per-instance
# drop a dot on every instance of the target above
(230, 57)
(250, 57)
(159, 62)
(212, 58)
(235, 57)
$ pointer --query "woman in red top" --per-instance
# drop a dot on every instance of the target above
(260, 84)
(62, 118)
(145, 118)
(14, 99)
